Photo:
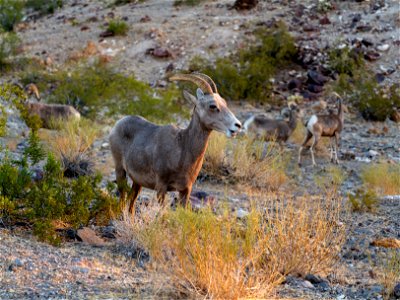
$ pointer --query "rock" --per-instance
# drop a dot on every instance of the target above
(245, 4)
(315, 77)
(364, 28)
(89, 236)
(372, 56)
(170, 68)
(383, 47)
(145, 19)
(105, 146)
(294, 84)
(373, 153)
(386, 243)
(306, 284)
(309, 28)
(108, 232)
(380, 78)
(314, 88)
(241, 213)
(396, 291)
(106, 34)
(324, 21)
(367, 42)
(313, 278)
(85, 27)
(199, 199)
(395, 116)
(159, 52)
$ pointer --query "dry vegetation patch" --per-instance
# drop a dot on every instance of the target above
(383, 178)
(219, 256)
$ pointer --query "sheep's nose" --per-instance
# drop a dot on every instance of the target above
(238, 125)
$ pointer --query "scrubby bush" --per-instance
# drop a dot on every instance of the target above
(245, 161)
(188, 2)
(44, 6)
(383, 178)
(123, 2)
(96, 90)
(245, 75)
(9, 43)
(10, 13)
(364, 200)
(215, 255)
(118, 27)
(345, 60)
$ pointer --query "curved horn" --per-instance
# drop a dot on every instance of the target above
(209, 81)
(200, 82)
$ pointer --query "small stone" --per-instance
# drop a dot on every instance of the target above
(18, 263)
(294, 84)
(89, 236)
(159, 52)
(241, 213)
(105, 145)
(383, 47)
(396, 290)
(324, 21)
(373, 153)
(313, 279)
(306, 284)
(395, 116)
(315, 77)
(145, 19)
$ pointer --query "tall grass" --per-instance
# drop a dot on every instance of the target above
(389, 274)
(203, 254)
(245, 161)
(383, 178)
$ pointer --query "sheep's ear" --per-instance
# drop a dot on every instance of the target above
(199, 94)
(188, 96)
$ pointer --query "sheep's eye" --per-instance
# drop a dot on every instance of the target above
(214, 108)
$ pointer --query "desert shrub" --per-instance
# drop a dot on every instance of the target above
(123, 2)
(323, 6)
(118, 27)
(71, 144)
(383, 178)
(44, 6)
(345, 60)
(9, 43)
(331, 179)
(188, 2)
(10, 13)
(245, 75)
(218, 256)
(389, 272)
(364, 200)
(3, 121)
(245, 161)
(97, 90)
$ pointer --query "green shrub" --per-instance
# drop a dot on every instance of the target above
(14, 179)
(98, 89)
(364, 200)
(188, 2)
(123, 2)
(10, 13)
(3, 121)
(245, 75)
(118, 27)
(9, 43)
(345, 61)
(44, 6)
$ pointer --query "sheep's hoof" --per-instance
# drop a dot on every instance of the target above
(299, 164)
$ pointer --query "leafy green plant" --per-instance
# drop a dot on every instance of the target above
(245, 75)
(44, 6)
(188, 2)
(10, 13)
(345, 60)
(97, 90)
(118, 27)
(364, 200)
(9, 43)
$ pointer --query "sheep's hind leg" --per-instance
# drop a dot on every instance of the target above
(133, 195)
(314, 144)
(336, 147)
(306, 139)
(121, 183)
(184, 197)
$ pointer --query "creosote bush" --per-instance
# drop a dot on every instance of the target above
(97, 89)
(364, 201)
(389, 273)
(203, 254)
(245, 75)
(188, 2)
(10, 13)
(118, 27)
(345, 61)
(245, 161)
(44, 6)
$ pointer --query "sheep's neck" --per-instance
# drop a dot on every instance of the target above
(195, 140)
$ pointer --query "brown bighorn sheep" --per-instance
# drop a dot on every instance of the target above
(329, 125)
(167, 158)
(270, 129)
(48, 112)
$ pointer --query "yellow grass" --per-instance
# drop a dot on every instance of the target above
(383, 178)
(245, 161)
(389, 275)
(217, 256)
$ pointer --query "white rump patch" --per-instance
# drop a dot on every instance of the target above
(311, 122)
(247, 123)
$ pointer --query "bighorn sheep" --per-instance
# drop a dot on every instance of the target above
(166, 158)
(270, 129)
(329, 125)
(48, 112)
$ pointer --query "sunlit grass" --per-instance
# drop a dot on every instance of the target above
(383, 178)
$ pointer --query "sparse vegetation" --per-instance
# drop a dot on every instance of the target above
(9, 43)
(245, 161)
(118, 27)
(383, 178)
(364, 201)
(97, 90)
(10, 13)
(245, 75)
(345, 61)
(225, 258)
(389, 273)
(188, 2)
(44, 6)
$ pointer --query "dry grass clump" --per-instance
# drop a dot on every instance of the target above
(389, 275)
(383, 178)
(218, 256)
(71, 143)
(245, 161)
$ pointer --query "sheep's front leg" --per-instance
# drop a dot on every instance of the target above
(337, 136)
(184, 196)
(133, 195)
